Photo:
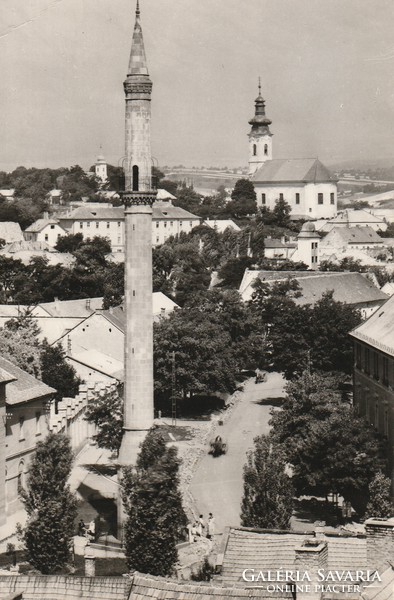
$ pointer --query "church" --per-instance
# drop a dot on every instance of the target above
(304, 183)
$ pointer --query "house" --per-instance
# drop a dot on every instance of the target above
(24, 402)
(54, 197)
(95, 346)
(44, 230)
(10, 232)
(351, 218)
(353, 288)
(304, 183)
(374, 373)
(360, 238)
(388, 288)
(25, 251)
(167, 220)
(221, 225)
(278, 249)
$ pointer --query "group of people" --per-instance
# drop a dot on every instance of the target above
(87, 531)
(200, 529)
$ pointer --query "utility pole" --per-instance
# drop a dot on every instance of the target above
(173, 390)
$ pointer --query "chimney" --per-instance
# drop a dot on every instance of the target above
(309, 557)
(380, 543)
(46, 215)
(87, 304)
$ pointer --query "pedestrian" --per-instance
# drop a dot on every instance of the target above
(81, 528)
(201, 525)
(194, 532)
(210, 526)
(190, 532)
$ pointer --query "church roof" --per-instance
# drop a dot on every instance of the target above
(378, 330)
(306, 170)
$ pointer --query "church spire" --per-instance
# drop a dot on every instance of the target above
(260, 136)
(137, 63)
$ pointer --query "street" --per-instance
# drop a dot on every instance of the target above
(217, 485)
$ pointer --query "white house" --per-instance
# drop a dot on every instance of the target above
(44, 230)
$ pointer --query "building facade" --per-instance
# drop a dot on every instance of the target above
(374, 374)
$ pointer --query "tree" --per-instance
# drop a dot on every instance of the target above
(153, 504)
(231, 273)
(19, 344)
(268, 493)
(330, 448)
(69, 243)
(50, 505)
(187, 198)
(243, 199)
(379, 504)
(106, 412)
(57, 373)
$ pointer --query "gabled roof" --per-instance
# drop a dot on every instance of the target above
(162, 211)
(72, 308)
(378, 330)
(350, 288)
(353, 216)
(354, 235)
(40, 224)
(305, 170)
(93, 214)
(10, 232)
(25, 387)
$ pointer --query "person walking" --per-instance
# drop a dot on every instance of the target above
(201, 525)
(210, 526)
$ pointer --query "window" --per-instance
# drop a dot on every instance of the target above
(118, 223)
(157, 239)
(88, 224)
(157, 224)
(180, 223)
(297, 198)
(254, 149)
(385, 365)
(310, 210)
(191, 223)
(332, 198)
(320, 198)
(263, 199)
(376, 365)
(97, 224)
(281, 196)
(38, 423)
(265, 149)
(358, 356)
(386, 423)
(119, 239)
(165, 223)
(136, 176)
(171, 223)
(21, 428)
(376, 419)
(52, 227)
(21, 476)
(80, 225)
(46, 237)
(107, 224)
(367, 363)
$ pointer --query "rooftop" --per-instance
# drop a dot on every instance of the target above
(10, 232)
(353, 235)
(350, 288)
(25, 387)
(378, 330)
(40, 224)
(306, 170)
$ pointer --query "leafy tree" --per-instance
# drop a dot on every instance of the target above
(243, 199)
(330, 448)
(232, 272)
(115, 179)
(106, 412)
(243, 190)
(379, 504)
(76, 185)
(69, 243)
(92, 252)
(205, 571)
(50, 505)
(57, 373)
(19, 345)
(268, 493)
(113, 285)
(282, 212)
(346, 264)
(187, 198)
(153, 504)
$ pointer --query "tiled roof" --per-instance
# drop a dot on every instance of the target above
(28, 246)
(172, 212)
(10, 232)
(354, 235)
(383, 591)
(164, 195)
(147, 586)
(307, 170)
(221, 224)
(159, 211)
(25, 387)
(40, 224)
(356, 216)
(272, 243)
(378, 330)
(350, 288)
(72, 308)
(266, 550)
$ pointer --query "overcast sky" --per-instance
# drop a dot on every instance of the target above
(326, 67)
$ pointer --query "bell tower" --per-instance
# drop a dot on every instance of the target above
(138, 198)
(260, 137)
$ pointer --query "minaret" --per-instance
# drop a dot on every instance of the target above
(138, 199)
(260, 137)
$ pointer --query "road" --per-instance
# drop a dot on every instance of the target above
(217, 485)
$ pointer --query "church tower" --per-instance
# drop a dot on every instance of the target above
(138, 198)
(260, 137)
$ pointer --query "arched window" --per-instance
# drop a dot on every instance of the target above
(254, 149)
(21, 476)
(135, 178)
(266, 149)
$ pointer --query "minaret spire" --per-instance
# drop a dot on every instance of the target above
(137, 9)
(137, 62)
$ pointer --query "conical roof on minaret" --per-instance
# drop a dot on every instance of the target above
(137, 63)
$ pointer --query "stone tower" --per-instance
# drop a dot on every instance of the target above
(101, 168)
(138, 199)
(260, 137)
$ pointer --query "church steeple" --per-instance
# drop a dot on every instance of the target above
(260, 136)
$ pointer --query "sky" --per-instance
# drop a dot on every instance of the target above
(326, 68)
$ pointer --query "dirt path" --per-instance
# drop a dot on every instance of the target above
(217, 485)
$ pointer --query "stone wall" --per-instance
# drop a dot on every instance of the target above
(380, 543)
